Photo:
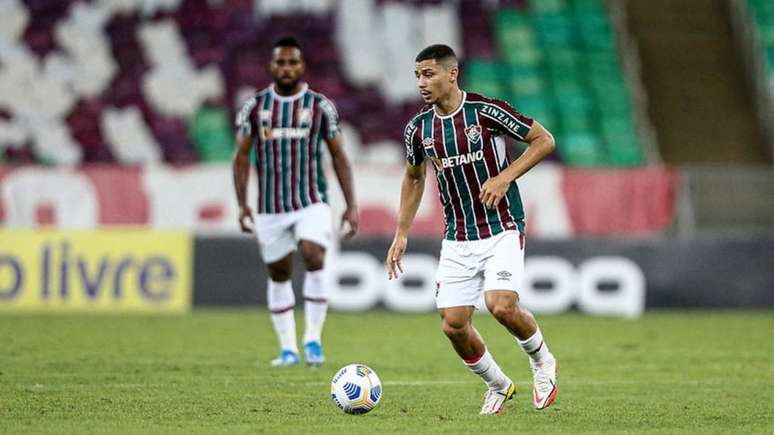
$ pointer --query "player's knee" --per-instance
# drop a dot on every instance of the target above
(313, 256)
(503, 310)
(279, 273)
(314, 261)
(454, 329)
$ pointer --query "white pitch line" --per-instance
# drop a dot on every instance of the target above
(411, 383)
(403, 383)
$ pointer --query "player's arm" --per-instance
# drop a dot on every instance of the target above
(241, 172)
(411, 191)
(344, 174)
(540, 143)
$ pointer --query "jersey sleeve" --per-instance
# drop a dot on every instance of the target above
(245, 120)
(330, 118)
(506, 119)
(414, 153)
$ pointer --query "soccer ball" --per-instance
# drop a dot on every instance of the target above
(356, 389)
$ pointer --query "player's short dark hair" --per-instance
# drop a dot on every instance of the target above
(288, 41)
(437, 52)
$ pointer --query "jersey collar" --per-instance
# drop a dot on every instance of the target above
(456, 111)
(297, 95)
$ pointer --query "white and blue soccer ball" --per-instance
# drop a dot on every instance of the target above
(356, 389)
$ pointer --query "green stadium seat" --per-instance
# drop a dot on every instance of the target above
(548, 6)
(581, 149)
(561, 67)
(530, 56)
(571, 82)
(484, 77)
(613, 126)
(210, 132)
(483, 69)
(540, 108)
(513, 25)
(493, 89)
(564, 58)
(525, 81)
(556, 31)
(766, 31)
(589, 5)
(624, 151)
(594, 22)
(576, 121)
(613, 102)
(763, 10)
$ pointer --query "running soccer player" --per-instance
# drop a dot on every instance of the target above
(287, 123)
(462, 134)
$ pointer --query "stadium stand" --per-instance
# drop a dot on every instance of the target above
(557, 61)
(136, 82)
(763, 12)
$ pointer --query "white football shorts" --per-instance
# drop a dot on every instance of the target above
(468, 268)
(278, 234)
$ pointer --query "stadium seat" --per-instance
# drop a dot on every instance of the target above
(580, 149)
(149, 66)
(210, 132)
(129, 137)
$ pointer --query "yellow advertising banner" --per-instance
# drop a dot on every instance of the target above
(123, 270)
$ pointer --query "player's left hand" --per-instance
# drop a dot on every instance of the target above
(349, 218)
(493, 191)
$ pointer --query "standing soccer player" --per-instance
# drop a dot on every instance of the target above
(483, 249)
(287, 123)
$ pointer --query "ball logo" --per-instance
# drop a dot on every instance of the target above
(473, 133)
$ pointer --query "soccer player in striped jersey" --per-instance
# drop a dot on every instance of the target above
(463, 135)
(287, 124)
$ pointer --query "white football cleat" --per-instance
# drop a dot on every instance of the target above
(495, 399)
(544, 378)
(286, 358)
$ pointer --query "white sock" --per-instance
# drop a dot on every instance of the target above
(315, 305)
(281, 302)
(536, 347)
(486, 367)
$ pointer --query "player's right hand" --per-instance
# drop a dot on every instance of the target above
(246, 221)
(394, 254)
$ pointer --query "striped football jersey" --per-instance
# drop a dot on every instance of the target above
(467, 148)
(287, 134)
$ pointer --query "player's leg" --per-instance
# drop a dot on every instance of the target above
(277, 245)
(503, 274)
(503, 304)
(466, 341)
(459, 287)
(313, 233)
(281, 301)
(315, 300)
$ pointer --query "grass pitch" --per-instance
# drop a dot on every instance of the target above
(208, 372)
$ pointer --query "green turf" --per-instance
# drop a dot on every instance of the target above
(697, 372)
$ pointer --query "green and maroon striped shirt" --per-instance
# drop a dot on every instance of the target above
(467, 148)
(287, 134)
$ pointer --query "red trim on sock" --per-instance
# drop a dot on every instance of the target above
(282, 310)
(472, 361)
(317, 300)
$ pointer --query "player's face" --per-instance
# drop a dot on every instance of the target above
(286, 66)
(434, 80)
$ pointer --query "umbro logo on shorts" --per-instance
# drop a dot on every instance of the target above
(437, 287)
(504, 275)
